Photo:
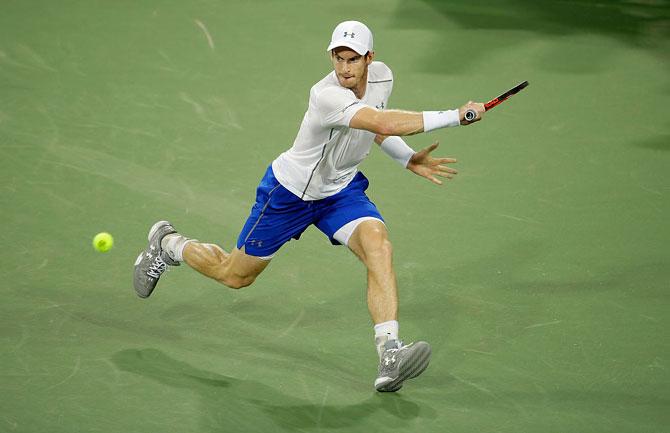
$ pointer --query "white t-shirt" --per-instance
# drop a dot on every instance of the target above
(326, 153)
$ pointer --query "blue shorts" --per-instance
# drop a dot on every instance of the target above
(279, 215)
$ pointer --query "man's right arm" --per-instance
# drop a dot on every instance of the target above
(399, 123)
(387, 122)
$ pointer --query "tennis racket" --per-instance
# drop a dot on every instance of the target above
(470, 115)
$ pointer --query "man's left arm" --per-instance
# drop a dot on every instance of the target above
(420, 163)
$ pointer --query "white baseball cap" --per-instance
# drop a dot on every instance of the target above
(352, 34)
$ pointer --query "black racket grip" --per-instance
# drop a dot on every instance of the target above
(470, 115)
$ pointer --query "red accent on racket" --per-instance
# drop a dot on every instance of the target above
(470, 115)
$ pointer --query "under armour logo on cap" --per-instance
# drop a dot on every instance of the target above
(352, 34)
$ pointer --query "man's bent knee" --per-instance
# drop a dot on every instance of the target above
(237, 282)
(234, 280)
(240, 270)
(370, 242)
(376, 243)
(380, 249)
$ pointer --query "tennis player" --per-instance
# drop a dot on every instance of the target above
(317, 182)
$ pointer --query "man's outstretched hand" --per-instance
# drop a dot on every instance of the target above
(422, 164)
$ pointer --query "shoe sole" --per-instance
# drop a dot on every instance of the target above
(152, 231)
(139, 290)
(410, 368)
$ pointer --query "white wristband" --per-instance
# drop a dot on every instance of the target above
(440, 119)
(396, 148)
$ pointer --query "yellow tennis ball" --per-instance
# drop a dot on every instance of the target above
(103, 242)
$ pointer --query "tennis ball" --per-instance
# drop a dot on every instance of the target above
(103, 242)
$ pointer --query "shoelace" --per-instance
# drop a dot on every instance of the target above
(390, 353)
(157, 267)
(398, 347)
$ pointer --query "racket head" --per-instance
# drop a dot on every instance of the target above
(513, 91)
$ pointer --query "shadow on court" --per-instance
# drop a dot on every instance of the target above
(491, 26)
(254, 403)
(631, 21)
(659, 142)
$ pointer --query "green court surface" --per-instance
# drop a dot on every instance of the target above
(540, 275)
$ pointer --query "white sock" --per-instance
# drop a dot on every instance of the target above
(384, 332)
(174, 244)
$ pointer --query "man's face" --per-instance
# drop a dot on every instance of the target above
(350, 67)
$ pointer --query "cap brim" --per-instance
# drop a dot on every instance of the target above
(360, 49)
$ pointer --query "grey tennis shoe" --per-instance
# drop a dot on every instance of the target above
(153, 261)
(399, 363)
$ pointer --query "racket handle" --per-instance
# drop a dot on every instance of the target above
(470, 115)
